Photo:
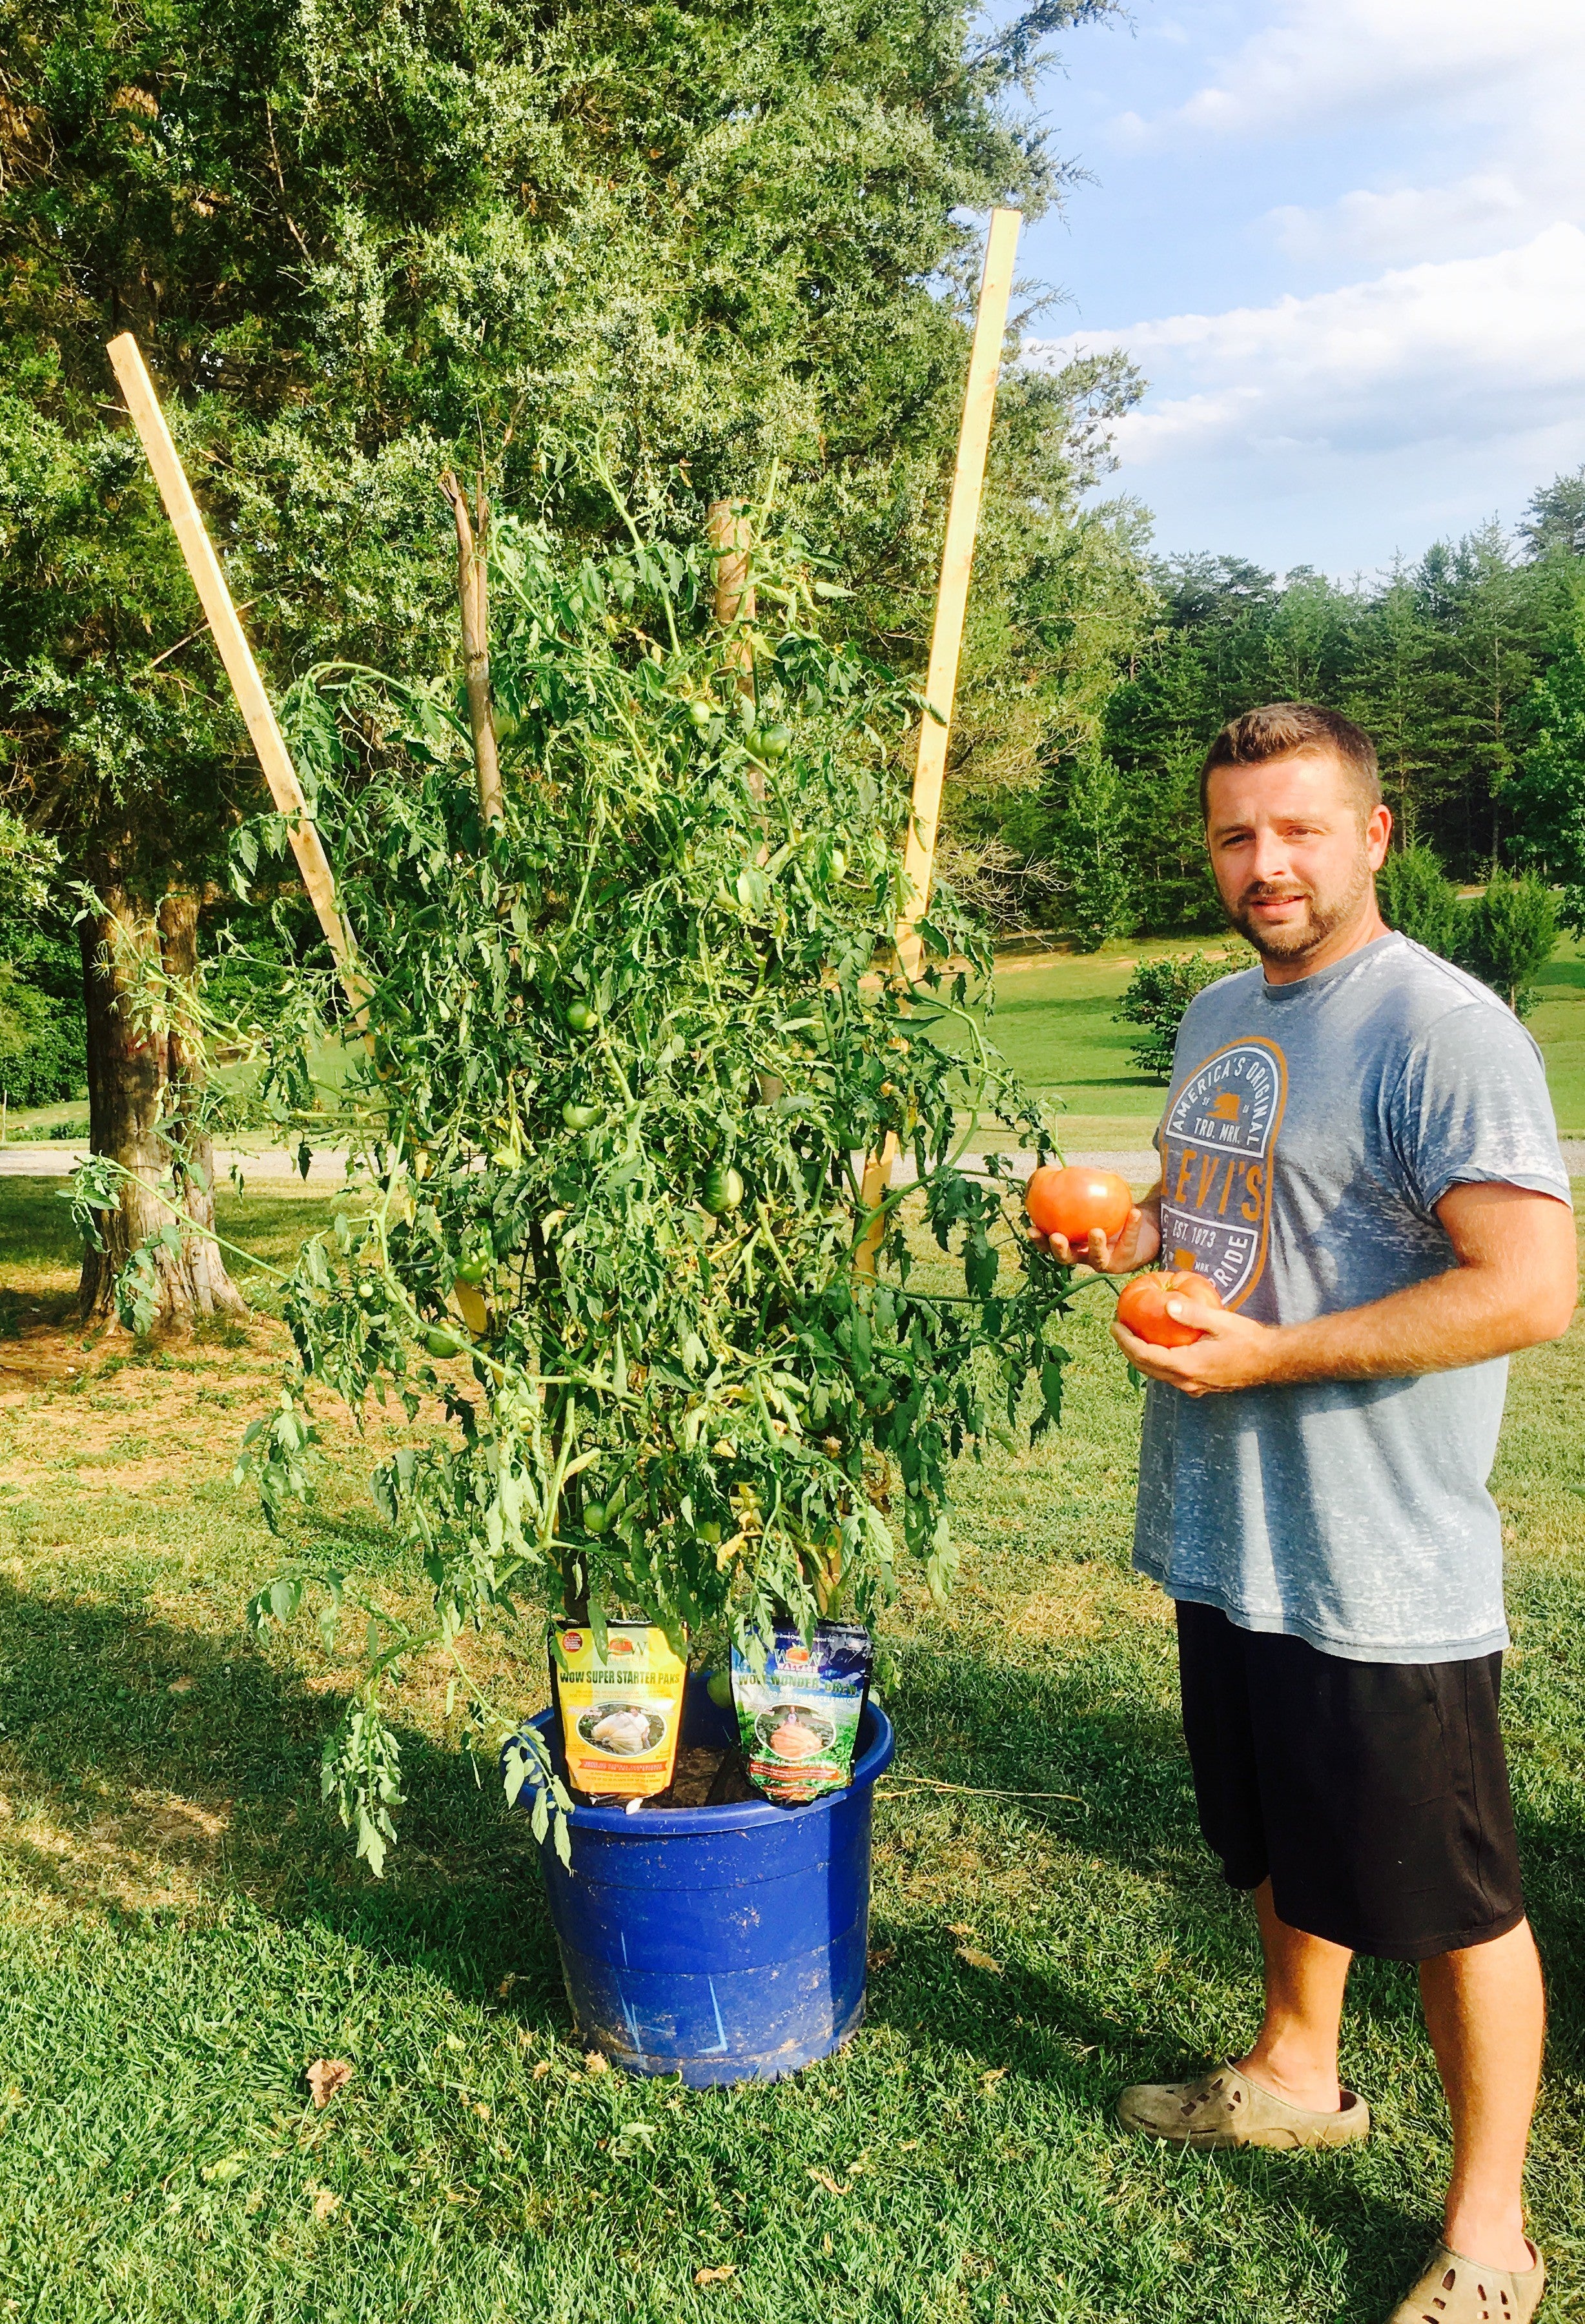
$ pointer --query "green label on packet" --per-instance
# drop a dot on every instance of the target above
(798, 1719)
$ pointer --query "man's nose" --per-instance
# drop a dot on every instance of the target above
(1270, 858)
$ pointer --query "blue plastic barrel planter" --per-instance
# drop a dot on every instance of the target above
(725, 1944)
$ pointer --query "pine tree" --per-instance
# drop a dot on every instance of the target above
(1548, 798)
(671, 246)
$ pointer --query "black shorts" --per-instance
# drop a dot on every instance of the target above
(1375, 1795)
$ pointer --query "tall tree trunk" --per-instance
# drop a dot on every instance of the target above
(142, 1095)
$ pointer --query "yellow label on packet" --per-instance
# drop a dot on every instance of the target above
(620, 1710)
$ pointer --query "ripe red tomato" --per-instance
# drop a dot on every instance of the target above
(1142, 1307)
(1071, 1202)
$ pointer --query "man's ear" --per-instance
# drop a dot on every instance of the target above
(1378, 832)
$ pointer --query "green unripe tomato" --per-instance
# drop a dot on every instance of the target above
(720, 1690)
(474, 1267)
(775, 742)
(839, 863)
(596, 1516)
(723, 1190)
(581, 1017)
(579, 1116)
(442, 1343)
(701, 712)
(710, 1531)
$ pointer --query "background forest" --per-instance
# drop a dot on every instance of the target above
(1468, 669)
(695, 249)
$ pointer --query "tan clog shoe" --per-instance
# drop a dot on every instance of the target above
(1223, 2109)
(1455, 2291)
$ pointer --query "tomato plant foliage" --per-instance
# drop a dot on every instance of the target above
(667, 976)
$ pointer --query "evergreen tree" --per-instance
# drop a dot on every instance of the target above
(1548, 798)
(670, 245)
(1554, 521)
(1397, 690)
(1512, 934)
(1491, 619)
(1417, 898)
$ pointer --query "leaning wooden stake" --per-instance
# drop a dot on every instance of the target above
(235, 651)
(472, 589)
(731, 535)
(946, 638)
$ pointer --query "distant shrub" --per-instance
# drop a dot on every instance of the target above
(1510, 933)
(1418, 900)
(44, 1050)
(1158, 992)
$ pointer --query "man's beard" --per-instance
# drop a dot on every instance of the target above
(1301, 937)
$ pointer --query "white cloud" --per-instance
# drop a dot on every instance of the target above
(1360, 58)
(1409, 222)
(1465, 351)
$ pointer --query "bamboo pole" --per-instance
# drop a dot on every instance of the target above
(231, 642)
(946, 639)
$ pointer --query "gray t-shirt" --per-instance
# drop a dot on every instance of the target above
(1311, 1130)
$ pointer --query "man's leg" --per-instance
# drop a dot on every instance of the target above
(1295, 2055)
(1484, 2009)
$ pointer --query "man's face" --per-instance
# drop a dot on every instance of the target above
(1292, 857)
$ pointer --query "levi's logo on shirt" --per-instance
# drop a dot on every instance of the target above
(1217, 1142)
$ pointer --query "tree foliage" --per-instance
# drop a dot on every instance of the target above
(1549, 797)
(1464, 668)
(1512, 933)
(355, 246)
(1416, 897)
(1158, 992)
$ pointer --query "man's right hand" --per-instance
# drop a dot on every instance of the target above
(1139, 1244)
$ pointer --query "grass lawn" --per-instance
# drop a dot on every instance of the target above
(183, 1932)
(1056, 1023)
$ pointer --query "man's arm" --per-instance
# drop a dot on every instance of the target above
(1514, 1285)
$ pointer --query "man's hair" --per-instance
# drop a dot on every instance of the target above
(1295, 730)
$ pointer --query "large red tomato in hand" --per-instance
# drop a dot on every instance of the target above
(1142, 1307)
(1072, 1202)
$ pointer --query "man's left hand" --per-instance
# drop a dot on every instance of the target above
(1231, 1352)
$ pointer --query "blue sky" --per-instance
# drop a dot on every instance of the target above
(1345, 241)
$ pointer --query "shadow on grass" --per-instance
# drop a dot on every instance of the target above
(147, 1769)
(1084, 1729)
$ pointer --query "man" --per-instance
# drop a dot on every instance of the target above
(1358, 1150)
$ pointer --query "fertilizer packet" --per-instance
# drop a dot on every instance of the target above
(621, 1712)
(799, 1720)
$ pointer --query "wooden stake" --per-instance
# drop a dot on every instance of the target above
(957, 557)
(472, 589)
(235, 651)
(946, 638)
(730, 538)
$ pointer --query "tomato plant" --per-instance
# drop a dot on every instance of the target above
(627, 1051)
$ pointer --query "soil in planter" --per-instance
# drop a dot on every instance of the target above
(706, 1777)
